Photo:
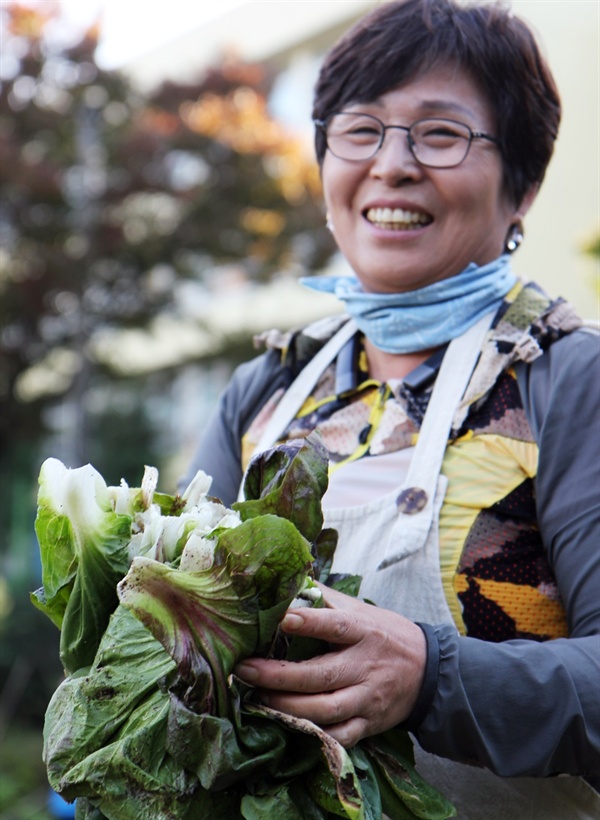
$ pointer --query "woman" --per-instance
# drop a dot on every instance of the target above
(457, 407)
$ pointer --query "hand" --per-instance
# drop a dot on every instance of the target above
(367, 683)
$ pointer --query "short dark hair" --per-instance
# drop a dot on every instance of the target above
(401, 39)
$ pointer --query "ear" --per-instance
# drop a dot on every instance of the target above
(514, 237)
(526, 202)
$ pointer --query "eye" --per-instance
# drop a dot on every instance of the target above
(439, 133)
(363, 128)
(354, 127)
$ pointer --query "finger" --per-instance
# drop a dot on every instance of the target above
(349, 732)
(324, 709)
(336, 626)
(323, 673)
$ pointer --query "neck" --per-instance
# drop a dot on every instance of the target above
(384, 366)
(426, 318)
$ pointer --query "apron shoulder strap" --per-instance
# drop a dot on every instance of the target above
(416, 502)
(295, 396)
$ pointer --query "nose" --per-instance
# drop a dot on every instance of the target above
(394, 160)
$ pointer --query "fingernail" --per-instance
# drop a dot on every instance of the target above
(291, 622)
(246, 672)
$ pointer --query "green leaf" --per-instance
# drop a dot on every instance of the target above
(369, 784)
(267, 557)
(85, 810)
(105, 735)
(333, 784)
(288, 480)
(84, 551)
(348, 584)
(209, 620)
(157, 725)
(199, 619)
(324, 549)
(217, 751)
(134, 776)
(250, 746)
(276, 803)
(169, 504)
(91, 706)
(392, 754)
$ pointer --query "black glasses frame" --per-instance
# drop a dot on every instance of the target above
(473, 135)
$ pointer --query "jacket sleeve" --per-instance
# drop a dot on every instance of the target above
(522, 707)
(219, 450)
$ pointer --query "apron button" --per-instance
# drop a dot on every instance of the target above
(411, 501)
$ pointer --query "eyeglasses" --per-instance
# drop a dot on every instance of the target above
(435, 143)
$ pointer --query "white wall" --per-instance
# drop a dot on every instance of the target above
(567, 211)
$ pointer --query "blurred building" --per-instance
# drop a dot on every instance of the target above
(285, 32)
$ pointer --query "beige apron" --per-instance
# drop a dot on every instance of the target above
(393, 543)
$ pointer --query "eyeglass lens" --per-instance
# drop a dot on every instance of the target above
(433, 142)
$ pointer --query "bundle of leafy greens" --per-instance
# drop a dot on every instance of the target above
(157, 597)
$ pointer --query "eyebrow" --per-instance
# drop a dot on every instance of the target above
(427, 106)
(458, 108)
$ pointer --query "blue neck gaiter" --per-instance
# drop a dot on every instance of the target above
(424, 318)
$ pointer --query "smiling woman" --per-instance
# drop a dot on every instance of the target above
(460, 421)
(457, 212)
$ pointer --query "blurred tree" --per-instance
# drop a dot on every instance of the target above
(110, 202)
(109, 199)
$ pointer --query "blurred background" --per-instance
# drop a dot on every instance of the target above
(159, 202)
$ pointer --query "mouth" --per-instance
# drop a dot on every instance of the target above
(397, 219)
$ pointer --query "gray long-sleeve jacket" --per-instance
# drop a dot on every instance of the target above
(518, 707)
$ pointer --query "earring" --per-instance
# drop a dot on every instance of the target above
(514, 238)
(329, 223)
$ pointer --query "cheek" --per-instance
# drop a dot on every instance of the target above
(490, 198)
(339, 183)
(477, 207)
(327, 181)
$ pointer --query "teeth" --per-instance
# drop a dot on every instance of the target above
(397, 217)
